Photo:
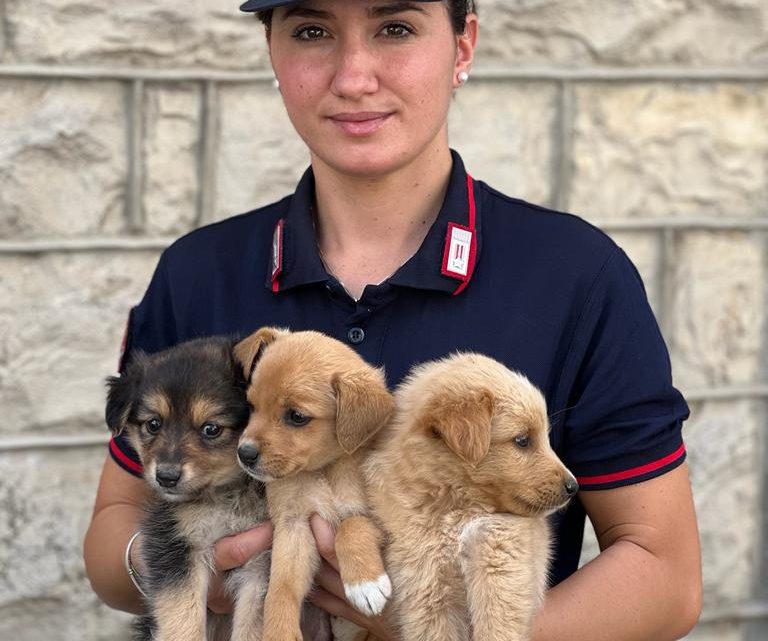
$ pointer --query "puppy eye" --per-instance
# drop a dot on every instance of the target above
(296, 418)
(210, 430)
(522, 441)
(153, 425)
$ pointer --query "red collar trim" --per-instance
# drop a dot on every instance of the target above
(277, 254)
(460, 251)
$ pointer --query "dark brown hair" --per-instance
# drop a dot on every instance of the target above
(457, 8)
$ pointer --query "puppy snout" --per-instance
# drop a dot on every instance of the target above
(168, 475)
(571, 486)
(248, 455)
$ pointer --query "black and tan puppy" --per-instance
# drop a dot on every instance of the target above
(184, 410)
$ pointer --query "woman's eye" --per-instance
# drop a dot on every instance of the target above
(296, 418)
(310, 33)
(211, 430)
(522, 441)
(397, 30)
(153, 425)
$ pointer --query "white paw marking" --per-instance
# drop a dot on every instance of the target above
(369, 597)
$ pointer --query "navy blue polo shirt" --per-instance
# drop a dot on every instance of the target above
(543, 292)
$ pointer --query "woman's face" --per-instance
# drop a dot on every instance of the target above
(367, 84)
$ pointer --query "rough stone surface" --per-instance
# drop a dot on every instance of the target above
(142, 32)
(172, 138)
(62, 158)
(62, 318)
(519, 119)
(3, 38)
(671, 150)
(45, 506)
(260, 155)
(606, 32)
(718, 322)
(717, 632)
(723, 440)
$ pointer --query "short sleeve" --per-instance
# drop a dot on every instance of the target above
(151, 327)
(625, 421)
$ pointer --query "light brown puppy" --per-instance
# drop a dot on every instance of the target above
(462, 484)
(315, 404)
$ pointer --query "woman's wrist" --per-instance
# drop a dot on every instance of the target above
(133, 574)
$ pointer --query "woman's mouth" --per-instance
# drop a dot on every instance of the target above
(360, 123)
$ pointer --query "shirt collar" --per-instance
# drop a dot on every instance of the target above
(445, 261)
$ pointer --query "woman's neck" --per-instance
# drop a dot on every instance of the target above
(367, 228)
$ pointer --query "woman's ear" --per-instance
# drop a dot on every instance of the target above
(465, 48)
(363, 406)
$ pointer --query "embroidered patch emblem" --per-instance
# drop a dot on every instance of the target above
(458, 246)
(277, 250)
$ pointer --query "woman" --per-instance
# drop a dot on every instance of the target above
(389, 245)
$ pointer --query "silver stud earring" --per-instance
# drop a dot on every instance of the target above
(276, 83)
(463, 77)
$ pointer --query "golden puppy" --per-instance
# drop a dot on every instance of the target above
(462, 484)
(315, 403)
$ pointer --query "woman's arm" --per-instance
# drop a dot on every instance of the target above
(645, 584)
(116, 517)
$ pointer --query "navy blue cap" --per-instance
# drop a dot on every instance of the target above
(263, 5)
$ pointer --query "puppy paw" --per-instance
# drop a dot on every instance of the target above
(369, 597)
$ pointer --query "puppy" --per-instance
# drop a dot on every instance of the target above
(184, 410)
(315, 404)
(462, 482)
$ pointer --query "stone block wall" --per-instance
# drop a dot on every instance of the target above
(123, 125)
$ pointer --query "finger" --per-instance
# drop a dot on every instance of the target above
(325, 537)
(328, 579)
(335, 606)
(233, 551)
(219, 602)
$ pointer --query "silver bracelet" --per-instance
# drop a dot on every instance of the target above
(132, 572)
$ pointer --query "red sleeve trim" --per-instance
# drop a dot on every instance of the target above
(127, 462)
(634, 472)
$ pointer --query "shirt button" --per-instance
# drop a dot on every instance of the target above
(356, 335)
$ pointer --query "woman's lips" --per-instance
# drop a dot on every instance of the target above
(360, 124)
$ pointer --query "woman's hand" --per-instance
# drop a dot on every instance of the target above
(232, 552)
(329, 593)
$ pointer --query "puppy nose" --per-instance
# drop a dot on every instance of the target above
(248, 454)
(168, 475)
(571, 486)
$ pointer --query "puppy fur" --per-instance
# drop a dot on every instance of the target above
(461, 483)
(315, 404)
(184, 410)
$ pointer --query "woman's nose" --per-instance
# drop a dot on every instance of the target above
(356, 72)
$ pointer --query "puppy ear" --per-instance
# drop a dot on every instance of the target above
(363, 406)
(248, 351)
(464, 424)
(121, 394)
